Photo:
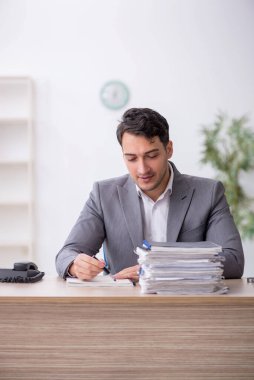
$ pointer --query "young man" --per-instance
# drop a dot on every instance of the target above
(153, 202)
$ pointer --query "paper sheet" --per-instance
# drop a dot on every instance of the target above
(99, 281)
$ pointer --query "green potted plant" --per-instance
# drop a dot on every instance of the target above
(228, 147)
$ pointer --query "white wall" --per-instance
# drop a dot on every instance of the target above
(185, 58)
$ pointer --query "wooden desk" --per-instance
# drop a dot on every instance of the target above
(50, 330)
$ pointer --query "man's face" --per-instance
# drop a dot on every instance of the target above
(147, 162)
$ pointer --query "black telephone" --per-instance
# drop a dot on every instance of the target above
(24, 271)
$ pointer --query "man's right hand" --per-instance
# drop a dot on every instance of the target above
(86, 267)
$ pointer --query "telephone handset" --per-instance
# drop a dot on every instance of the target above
(25, 265)
(23, 271)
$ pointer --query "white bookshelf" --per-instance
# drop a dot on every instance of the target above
(16, 170)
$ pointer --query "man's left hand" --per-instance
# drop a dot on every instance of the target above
(131, 273)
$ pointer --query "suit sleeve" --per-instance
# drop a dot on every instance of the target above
(87, 235)
(222, 230)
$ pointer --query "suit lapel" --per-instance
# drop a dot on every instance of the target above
(179, 204)
(131, 209)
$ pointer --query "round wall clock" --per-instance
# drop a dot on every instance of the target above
(114, 95)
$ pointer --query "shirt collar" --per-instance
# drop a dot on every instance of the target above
(169, 186)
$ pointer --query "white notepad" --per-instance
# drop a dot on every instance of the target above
(99, 281)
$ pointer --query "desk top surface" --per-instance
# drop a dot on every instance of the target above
(52, 289)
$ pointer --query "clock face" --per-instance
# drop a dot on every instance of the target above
(114, 95)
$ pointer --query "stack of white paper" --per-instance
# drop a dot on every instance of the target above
(181, 268)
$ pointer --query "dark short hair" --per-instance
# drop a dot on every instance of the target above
(143, 122)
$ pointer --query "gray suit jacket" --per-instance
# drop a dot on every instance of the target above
(198, 211)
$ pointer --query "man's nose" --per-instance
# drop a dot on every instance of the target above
(142, 167)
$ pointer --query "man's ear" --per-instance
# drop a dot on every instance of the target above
(169, 149)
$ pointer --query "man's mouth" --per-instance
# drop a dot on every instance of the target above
(146, 178)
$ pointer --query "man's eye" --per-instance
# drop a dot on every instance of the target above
(131, 159)
(152, 155)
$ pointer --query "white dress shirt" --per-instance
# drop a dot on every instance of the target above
(155, 214)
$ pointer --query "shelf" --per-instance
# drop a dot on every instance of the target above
(14, 121)
(14, 203)
(15, 143)
(15, 184)
(15, 98)
(13, 244)
(11, 252)
(16, 168)
(14, 163)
